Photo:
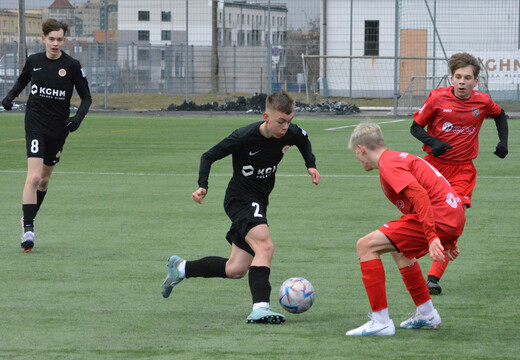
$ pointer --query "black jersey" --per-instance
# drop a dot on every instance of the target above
(255, 159)
(52, 86)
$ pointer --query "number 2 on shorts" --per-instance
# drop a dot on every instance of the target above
(257, 209)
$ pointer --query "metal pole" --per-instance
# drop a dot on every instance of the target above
(396, 56)
(269, 50)
(305, 78)
(21, 37)
(106, 50)
(187, 57)
(350, 67)
(434, 40)
(435, 28)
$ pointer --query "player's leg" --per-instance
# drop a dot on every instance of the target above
(463, 178)
(235, 267)
(369, 248)
(29, 201)
(425, 315)
(41, 190)
(259, 239)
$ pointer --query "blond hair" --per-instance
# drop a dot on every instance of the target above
(367, 134)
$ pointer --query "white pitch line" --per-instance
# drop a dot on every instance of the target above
(349, 126)
(223, 175)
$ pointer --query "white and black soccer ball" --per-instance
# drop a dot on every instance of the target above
(296, 295)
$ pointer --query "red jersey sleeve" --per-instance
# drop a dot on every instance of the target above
(422, 206)
(426, 113)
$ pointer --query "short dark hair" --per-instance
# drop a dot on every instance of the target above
(460, 60)
(54, 25)
(280, 101)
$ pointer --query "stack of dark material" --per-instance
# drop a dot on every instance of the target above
(256, 105)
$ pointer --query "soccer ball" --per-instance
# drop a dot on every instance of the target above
(296, 295)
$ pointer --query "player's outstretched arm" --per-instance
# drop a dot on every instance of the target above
(315, 175)
(199, 195)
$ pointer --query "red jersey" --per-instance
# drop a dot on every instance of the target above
(397, 170)
(455, 121)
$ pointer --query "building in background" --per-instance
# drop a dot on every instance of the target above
(9, 27)
(62, 10)
(152, 43)
(423, 31)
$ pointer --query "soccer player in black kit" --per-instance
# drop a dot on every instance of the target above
(256, 150)
(53, 75)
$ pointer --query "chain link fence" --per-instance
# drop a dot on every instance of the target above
(237, 47)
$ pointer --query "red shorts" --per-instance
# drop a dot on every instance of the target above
(407, 236)
(462, 175)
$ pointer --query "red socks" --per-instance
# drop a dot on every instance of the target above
(438, 267)
(415, 283)
(373, 275)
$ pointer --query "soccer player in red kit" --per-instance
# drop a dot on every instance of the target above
(453, 117)
(432, 221)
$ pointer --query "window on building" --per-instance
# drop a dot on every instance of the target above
(143, 35)
(166, 16)
(166, 35)
(143, 16)
(143, 55)
(372, 38)
(247, 19)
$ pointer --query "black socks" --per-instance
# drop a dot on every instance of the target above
(208, 267)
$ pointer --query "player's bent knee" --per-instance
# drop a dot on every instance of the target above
(44, 183)
(363, 245)
(235, 272)
(34, 180)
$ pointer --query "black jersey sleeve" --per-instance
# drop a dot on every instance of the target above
(217, 152)
(81, 85)
(21, 82)
(305, 147)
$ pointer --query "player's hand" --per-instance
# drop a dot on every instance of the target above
(199, 195)
(7, 103)
(501, 149)
(453, 253)
(73, 123)
(315, 175)
(439, 148)
(436, 250)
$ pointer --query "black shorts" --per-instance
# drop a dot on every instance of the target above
(43, 146)
(244, 215)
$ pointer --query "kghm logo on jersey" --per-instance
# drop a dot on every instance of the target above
(48, 92)
(249, 170)
(475, 112)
